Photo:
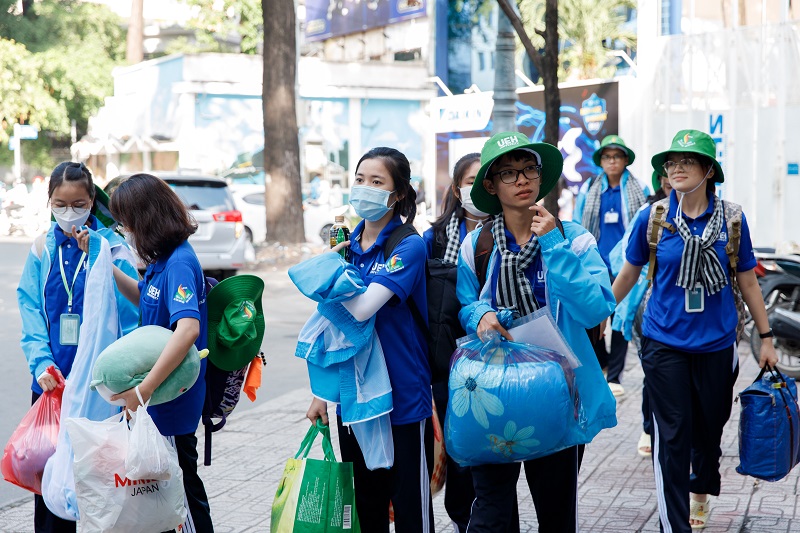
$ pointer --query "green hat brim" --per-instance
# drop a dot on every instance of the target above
(552, 163)
(597, 153)
(241, 287)
(660, 158)
(655, 180)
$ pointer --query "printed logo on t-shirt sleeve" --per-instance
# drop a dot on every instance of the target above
(394, 264)
(183, 295)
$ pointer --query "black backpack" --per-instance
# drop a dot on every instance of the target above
(443, 327)
(223, 389)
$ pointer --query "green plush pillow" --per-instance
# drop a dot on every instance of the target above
(125, 363)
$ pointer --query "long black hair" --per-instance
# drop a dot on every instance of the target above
(451, 203)
(400, 170)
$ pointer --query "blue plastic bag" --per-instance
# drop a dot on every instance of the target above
(769, 427)
(510, 402)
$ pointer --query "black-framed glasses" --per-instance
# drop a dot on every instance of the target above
(685, 164)
(612, 157)
(531, 172)
(79, 210)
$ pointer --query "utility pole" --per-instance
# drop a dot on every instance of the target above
(504, 116)
(17, 151)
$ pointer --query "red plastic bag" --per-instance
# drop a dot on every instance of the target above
(34, 440)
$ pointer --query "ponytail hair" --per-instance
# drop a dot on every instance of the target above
(73, 173)
(399, 168)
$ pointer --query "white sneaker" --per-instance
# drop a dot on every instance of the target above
(616, 389)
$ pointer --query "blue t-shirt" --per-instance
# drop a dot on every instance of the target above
(404, 345)
(666, 319)
(430, 236)
(534, 273)
(174, 288)
(56, 299)
(610, 232)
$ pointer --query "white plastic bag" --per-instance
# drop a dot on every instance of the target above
(109, 501)
(79, 401)
(148, 451)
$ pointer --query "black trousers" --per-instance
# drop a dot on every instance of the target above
(553, 482)
(407, 484)
(44, 521)
(199, 516)
(647, 413)
(459, 492)
(613, 361)
(691, 396)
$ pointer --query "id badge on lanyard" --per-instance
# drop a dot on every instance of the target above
(69, 322)
(695, 299)
(611, 217)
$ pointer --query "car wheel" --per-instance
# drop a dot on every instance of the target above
(325, 233)
(249, 234)
(225, 274)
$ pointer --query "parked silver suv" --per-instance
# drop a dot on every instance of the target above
(220, 241)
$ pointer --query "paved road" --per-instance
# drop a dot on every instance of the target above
(285, 309)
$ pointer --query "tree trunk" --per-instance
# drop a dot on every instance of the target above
(135, 49)
(552, 98)
(27, 9)
(547, 65)
(281, 149)
(504, 117)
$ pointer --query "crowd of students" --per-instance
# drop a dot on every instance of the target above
(580, 270)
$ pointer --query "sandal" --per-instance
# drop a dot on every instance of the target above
(699, 511)
(645, 446)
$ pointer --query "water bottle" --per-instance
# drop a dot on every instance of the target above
(340, 233)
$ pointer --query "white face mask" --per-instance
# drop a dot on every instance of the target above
(71, 218)
(466, 203)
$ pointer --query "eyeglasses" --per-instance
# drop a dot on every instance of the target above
(686, 164)
(62, 209)
(531, 172)
(612, 157)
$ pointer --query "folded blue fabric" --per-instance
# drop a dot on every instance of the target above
(327, 278)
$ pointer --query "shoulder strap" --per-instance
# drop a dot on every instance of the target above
(483, 249)
(398, 234)
(733, 218)
(655, 228)
(396, 237)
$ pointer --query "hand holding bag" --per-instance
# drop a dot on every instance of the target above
(315, 496)
(34, 440)
(769, 427)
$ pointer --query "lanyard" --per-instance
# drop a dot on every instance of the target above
(69, 288)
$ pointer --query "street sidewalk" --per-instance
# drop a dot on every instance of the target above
(616, 485)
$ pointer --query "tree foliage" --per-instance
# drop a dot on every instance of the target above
(587, 29)
(55, 67)
(218, 21)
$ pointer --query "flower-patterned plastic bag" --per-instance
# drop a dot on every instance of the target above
(510, 402)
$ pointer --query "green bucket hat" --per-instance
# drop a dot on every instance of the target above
(692, 142)
(656, 181)
(502, 143)
(613, 141)
(235, 321)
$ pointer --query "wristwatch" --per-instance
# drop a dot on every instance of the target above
(766, 335)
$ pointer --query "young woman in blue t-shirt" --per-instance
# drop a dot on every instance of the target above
(381, 194)
(172, 295)
(689, 328)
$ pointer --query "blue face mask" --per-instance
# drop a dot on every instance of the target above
(370, 202)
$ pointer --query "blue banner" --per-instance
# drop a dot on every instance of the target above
(333, 18)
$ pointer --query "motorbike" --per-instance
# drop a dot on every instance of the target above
(781, 292)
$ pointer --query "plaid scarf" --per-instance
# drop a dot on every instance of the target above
(514, 290)
(591, 209)
(453, 240)
(699, 261)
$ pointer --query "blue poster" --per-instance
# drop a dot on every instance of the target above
(333, 18)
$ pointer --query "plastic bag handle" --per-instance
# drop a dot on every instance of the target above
(777, 373)
(311, 435)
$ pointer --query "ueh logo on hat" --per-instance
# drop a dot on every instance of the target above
(686, 141)
(248, 310)
(508, 141)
